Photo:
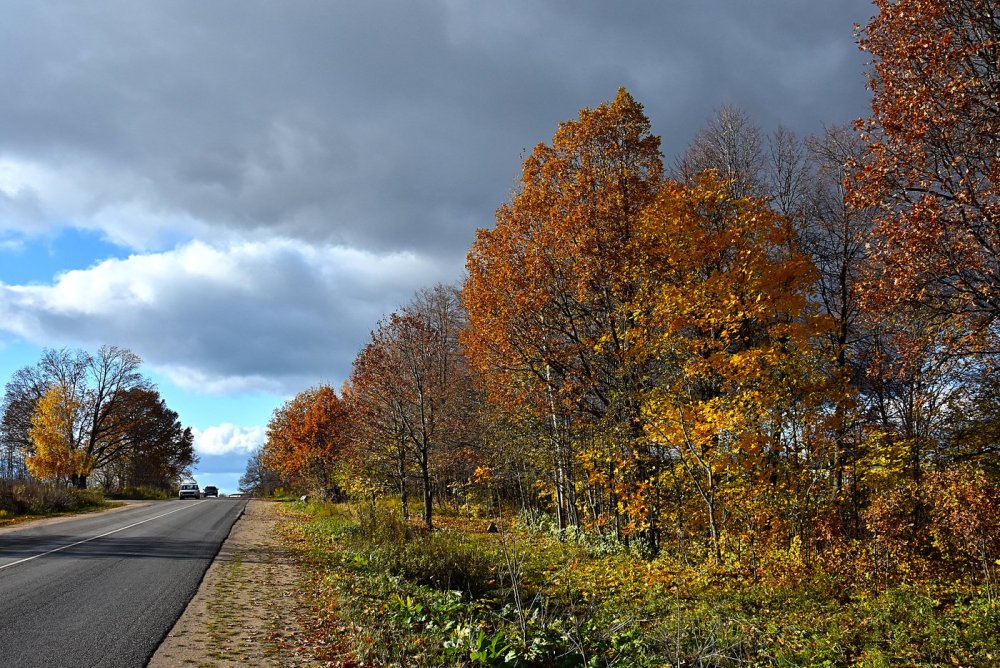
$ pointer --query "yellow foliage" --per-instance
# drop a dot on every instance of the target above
(52, 433)
(884, 460)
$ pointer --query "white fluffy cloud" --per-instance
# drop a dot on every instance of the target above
(37, 196)
(227, 439)
(275, 316)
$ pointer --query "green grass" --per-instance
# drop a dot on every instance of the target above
(389, 592)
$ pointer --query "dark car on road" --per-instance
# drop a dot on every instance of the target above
(211, 490)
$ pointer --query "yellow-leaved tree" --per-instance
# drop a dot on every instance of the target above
(728, 325)
(53, 434)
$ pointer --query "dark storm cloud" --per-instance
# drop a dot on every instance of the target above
(329, 158)
(385, 126)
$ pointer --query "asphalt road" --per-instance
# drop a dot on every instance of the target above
(104, 589)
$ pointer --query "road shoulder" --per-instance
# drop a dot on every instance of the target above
(247, 606)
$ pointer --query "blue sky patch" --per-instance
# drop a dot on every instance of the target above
(27, 260)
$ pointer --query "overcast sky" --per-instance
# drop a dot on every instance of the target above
(238, 190)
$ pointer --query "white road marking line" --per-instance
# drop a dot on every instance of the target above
(81, 542)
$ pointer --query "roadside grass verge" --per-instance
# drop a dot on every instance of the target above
(21, 501)
(387, 592)
(225, 622)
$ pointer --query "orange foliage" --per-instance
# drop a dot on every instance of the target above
(548, 295)
(727, 322)
(933, 169)
(307, 436)
(545, 293)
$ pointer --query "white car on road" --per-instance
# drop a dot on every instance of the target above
(189, 490)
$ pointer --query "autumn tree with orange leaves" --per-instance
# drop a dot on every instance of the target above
(933, 162)
(155, 450)
(549, 306)
(307, 439)
(118, 417)
(930, 177)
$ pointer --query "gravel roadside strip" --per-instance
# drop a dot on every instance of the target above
(246, 605)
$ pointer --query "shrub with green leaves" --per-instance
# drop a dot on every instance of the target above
(405, 596)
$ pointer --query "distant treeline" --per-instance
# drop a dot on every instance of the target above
(91, 420)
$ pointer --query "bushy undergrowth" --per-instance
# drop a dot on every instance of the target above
(395, 594)
(19, 498)
(143, 493)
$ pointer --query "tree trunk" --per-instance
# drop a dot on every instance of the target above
(428, 490)
(403, 496)
(712, 524)
(560, 503)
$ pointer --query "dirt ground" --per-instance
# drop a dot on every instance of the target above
(247, 610)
